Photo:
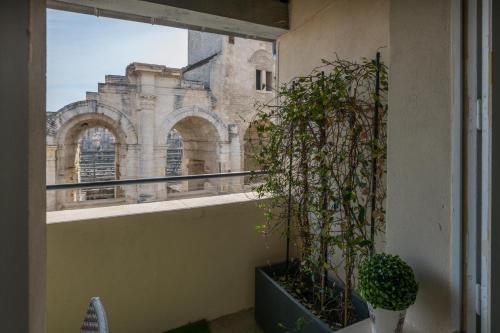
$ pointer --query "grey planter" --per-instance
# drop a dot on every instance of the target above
(276, 311)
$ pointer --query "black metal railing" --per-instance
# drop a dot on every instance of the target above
(119, 182)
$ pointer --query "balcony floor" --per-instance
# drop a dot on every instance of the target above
(241, 322)
(244, 322)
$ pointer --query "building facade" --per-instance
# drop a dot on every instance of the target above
(162, 121)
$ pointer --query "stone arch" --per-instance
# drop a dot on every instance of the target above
(68, 124)
(262, 59)
(206, 142)
(193, 111)
(71, 116)
(264, 70)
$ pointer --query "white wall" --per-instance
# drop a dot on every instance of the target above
(419, 153)
(156, 266)
(322, 29)
(417, 36)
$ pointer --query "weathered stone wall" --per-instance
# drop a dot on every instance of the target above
(202, 45)
(210, 102)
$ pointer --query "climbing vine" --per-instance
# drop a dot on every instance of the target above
(323, 146)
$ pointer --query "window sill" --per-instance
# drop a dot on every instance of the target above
(74, 215)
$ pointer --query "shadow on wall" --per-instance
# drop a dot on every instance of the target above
(159, 270)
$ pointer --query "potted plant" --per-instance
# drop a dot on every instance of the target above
(322, 143)
(388, 284)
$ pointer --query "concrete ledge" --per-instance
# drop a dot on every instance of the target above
(168, 264)
(75, 215)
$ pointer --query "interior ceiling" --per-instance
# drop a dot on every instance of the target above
(267, 12)
(257, 19)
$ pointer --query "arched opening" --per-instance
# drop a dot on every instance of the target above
(90, 150)
(192, 149)
(174, 153)
(74, 122)
(173, 165)
(95, 160)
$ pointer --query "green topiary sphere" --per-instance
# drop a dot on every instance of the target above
(386, 281)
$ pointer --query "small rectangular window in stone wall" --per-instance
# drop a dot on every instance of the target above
(258, 82)
(269, 81)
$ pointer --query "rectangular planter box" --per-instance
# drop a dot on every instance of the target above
(276, 311)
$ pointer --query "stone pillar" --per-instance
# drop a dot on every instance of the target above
(160, 162)
(50, 174)
(129, 160)
(235, 183)
(146, 140)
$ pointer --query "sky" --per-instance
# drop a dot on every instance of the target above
(82, 49)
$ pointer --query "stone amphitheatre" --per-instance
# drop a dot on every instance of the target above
(156, 121)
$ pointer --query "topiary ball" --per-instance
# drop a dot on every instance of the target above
(386, 281)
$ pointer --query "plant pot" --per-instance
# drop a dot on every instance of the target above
(385, 321)
(276, 311)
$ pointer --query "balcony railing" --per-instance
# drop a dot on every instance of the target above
(120, 182)
(99, 193)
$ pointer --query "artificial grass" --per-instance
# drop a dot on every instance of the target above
(196, 327)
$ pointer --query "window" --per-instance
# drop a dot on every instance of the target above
(269, 81)
(116, 134)
(258, 84)
(263, 80)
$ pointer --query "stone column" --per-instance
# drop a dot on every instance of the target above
(160, 161)
(228, 159)
(236, 183)
(50, 174)
(146, 140)
(129, 166)
(234, 148)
